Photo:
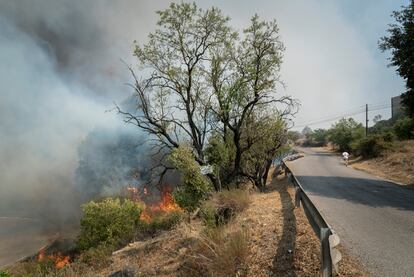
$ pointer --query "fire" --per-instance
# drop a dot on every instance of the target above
(166, 205)
(145, 216)
(59, 259)
(167, 201)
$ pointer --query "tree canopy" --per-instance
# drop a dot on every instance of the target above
(401, 43)
(198, 78)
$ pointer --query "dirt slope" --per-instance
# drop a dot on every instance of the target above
(396, 165)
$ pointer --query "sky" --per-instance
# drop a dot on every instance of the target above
(63, 65)
(332, 63)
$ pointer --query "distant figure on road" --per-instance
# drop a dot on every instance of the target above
(345, 155)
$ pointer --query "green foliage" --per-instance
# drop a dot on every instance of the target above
(109, 222)
(5, 273)
(320, 136)
(208, 213)
(218, 79)
(344, 132)
(194, 186)
(263, 138)
(400, 42)
(220, 154)
(372, 146)
(382, 126)
(293, 135)
(161, 221)
(404, 128)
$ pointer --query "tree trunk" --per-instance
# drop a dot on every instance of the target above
(215, 181)
(266, 173)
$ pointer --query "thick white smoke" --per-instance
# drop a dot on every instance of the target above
(42, 120)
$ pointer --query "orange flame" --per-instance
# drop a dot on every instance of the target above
(145, 216)
(59, 260)
(166, 205)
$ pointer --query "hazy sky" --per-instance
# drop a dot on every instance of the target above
(332, 63)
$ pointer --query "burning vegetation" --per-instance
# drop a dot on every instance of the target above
(164, 205)
(58, 259)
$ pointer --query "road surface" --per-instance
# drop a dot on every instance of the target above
(374, 218)
(21, 237)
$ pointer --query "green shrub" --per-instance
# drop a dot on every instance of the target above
(372, 146)
(160, 221)
(404, 128)
(345, 132)
(388, 136)
(5, 273)
(110, 222)
(195, 187)
(208, 214)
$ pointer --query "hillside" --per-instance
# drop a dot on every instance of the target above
(280, 243)
(396, 164)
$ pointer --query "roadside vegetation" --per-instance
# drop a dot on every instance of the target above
(349, 135)
(386, 151)
(206, 96)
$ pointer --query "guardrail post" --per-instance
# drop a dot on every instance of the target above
(336, 255)
(326, 270)
(297, 197)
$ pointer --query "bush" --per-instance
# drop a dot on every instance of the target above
(345, 132)
(208, 213)
(223, 206)
(109, 222)
(404, 128)
(372, 146)
(5, 273)
(97, 257)
(195, 187)
(236, 199)
(164, 221)
(217, 254)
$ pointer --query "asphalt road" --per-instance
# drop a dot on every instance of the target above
(374, 218)
(21, 237)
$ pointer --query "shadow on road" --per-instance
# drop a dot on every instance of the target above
(371, 192)
(283, 260)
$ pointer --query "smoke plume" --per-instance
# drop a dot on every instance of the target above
(60, 72)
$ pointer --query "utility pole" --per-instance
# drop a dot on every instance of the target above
(366, 120)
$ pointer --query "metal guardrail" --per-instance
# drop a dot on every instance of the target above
(328, 238)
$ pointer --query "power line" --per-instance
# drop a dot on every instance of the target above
(361, 111)
(344, 113)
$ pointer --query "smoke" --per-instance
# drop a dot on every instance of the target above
(60, 72)
(41, 123)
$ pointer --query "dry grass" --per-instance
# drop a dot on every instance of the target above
(217, 253)
(396, 164)
(282, 242)
(237, 200)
